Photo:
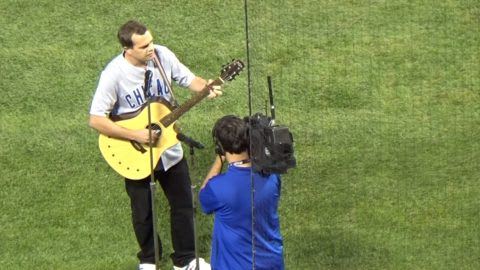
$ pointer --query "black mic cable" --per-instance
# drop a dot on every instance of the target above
(191, 142)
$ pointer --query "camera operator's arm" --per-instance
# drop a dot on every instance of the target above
(214, 170)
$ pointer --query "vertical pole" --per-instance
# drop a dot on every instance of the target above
(252, 193)
(148, 76)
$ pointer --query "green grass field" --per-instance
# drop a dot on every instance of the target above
(383, 99)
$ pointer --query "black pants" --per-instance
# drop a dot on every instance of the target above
(176, 185)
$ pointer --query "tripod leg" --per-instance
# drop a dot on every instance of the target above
(197, 267)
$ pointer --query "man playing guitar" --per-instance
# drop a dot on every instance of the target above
(120, 91)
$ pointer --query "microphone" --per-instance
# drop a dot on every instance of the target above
(146, 83)
(189, 141)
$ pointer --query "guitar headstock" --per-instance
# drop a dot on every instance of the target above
(230, 71)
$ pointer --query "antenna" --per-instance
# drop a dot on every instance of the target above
(270, 94)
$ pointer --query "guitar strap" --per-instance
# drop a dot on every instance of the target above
(168, 84)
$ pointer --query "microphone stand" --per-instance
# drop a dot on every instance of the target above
(194, 206)
(193, 144)
(153, 188)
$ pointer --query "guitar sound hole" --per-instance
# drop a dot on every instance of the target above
(155, 128)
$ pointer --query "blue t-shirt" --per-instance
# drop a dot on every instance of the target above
(228, 195)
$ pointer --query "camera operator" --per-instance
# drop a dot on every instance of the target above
(228, 195)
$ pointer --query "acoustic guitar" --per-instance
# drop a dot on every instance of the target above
(132, 159)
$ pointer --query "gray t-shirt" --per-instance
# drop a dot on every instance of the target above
(120, 90)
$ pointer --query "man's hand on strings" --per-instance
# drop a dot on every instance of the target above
(215, 90)
(198, 84)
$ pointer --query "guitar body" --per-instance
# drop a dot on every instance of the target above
(124, 156)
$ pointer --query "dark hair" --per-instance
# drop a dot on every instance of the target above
(231, 133)
(127, 30)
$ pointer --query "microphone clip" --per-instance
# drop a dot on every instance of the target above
(147, 83)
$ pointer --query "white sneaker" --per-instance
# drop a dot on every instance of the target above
(146, 266)
(203, 265)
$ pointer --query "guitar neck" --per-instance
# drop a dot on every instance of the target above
(170, 118)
